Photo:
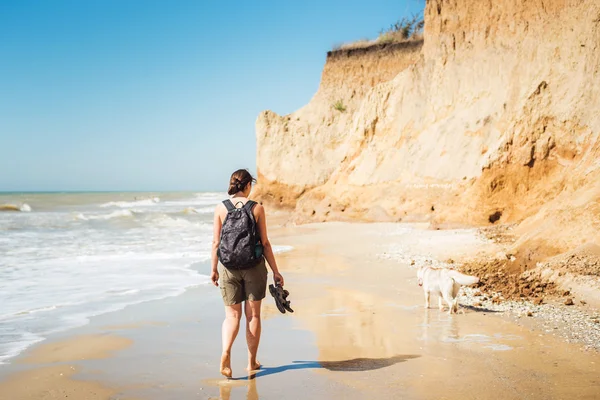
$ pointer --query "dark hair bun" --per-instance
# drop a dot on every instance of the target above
(239, 181)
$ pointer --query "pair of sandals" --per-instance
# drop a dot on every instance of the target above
(280, 295)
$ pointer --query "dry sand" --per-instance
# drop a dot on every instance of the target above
(359, 332)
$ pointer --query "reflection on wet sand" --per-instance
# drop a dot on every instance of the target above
(354, 325)
(438, 326)
(226, 386)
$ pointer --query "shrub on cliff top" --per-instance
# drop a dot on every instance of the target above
(403, 30)
(339, 105)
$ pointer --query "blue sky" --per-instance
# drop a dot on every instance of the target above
(158, 95)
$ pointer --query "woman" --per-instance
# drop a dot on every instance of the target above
(242, 285)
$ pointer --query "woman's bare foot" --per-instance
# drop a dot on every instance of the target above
(226, 365)
(253, 366)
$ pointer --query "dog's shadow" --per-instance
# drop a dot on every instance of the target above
(355, 364)
(479, 309)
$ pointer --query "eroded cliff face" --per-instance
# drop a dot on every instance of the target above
(493, 118)
(303, 150)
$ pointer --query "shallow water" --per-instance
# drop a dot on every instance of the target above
(69, 256)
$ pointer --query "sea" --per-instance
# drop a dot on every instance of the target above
(66, 257)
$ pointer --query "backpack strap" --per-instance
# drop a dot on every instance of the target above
(250, 205)
(229, 206)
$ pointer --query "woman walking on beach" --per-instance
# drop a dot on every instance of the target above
(241, 244)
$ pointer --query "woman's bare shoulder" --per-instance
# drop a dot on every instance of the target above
(220, 209)
(259, 210)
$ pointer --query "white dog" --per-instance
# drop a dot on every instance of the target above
(445, 283)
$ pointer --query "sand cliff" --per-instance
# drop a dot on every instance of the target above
(492, 118)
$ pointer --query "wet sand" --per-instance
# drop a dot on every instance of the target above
(372, 308)
(53, 379)
(359, 332)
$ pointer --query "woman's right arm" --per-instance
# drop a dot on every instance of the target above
(267, 248)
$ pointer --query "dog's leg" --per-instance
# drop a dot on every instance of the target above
(455, 291)
(450, 306)
(440, 304)
(448, 299)
(427, 294)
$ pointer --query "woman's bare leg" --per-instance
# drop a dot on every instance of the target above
(231, 326)
(253, 328)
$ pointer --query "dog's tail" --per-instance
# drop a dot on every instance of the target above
(463, 279)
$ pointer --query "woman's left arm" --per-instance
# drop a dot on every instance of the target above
(264, 239)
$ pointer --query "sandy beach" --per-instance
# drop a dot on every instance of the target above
(359, 331)
(379, 137)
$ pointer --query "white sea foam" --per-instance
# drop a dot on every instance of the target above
(137, 203)
(19, 343)
(114, 214)
(200, 199)
(204, 210)
(37, 310)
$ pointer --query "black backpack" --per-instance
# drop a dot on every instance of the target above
(240, 246)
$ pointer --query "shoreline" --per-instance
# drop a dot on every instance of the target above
(356, 315)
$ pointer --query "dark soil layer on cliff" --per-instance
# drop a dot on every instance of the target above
(375, 48)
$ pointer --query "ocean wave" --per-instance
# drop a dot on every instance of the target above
(103, 259)
(20, 338)
(123, 292)
(114, 214)
(136, 203)
(137, 256)
(168, 221)
(27, 312)
(14, 348)
(165, 219)
(205, 199)
(194, 210)
(12, 207)
(21, 329)
(205, 210)
(37, 310)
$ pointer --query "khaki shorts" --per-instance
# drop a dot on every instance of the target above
(245, 284)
